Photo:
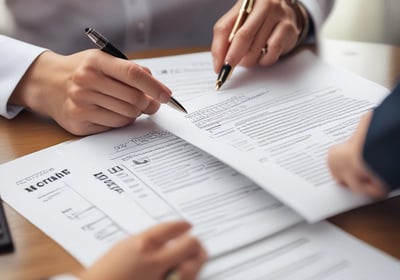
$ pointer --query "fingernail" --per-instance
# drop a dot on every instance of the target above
(165, 97)
(215, 61)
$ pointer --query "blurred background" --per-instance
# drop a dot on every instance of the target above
(360, 20)
(365, 20)
(5, 21)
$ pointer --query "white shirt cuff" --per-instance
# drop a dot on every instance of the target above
(16, 57)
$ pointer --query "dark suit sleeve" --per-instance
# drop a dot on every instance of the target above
(382, 144)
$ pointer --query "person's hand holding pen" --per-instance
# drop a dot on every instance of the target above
(257, 33)
(90, 91)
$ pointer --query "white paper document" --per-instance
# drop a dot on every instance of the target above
(170, 179)
(273, 125)
(38, 187)
(317, 251)
(244, 167)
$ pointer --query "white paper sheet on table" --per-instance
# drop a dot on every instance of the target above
(272, 125)
(89, 194)
(170, 179)
(38, 187)
(35, 186)
(317, 251)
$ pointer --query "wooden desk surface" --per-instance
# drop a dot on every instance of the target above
(37, 256)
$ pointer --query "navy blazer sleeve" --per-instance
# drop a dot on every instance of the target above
(382, 144)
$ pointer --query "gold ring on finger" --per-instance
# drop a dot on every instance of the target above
(173, 275)
(264, 50)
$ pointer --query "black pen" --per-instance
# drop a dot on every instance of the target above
(103, 44)
(226, 69)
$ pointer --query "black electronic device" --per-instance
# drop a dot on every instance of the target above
(6, 244)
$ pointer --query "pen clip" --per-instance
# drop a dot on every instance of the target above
(99, 40)
(246, 8)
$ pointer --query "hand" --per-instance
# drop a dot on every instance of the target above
(90, 91)
(348, 167)
(274, 23)
(151, 255)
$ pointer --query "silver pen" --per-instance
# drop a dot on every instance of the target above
(103, 44)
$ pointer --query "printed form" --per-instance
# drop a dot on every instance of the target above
(168, 178)
(89, 194)
(318, 251)
(36, 187)
(39, 186)
(273, 125)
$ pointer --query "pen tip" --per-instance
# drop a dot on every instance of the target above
(175, 104)
(218, 85)
(183, 110)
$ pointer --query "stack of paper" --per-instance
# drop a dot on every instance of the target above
(246, 167)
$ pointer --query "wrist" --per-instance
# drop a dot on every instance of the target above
(38, 84)
(302, 20)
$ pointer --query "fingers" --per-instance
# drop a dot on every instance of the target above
(253, 35)
(348, 169)
(137, 77)
(116, 94)
(125, 101)
(123, 84)
(182, 248)
(162, 233)
(222, 30)
(355, 176)
(282, 40)
(91, 112)
(85, 128)
(185, 255)
(375, 189)
(271, 23)
(177, 250)
(248, 37)
(190, 268)
(103, 92)
(363, 183)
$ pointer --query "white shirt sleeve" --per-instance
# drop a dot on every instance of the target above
(319, 11)
(15, 59)
(132, 25)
